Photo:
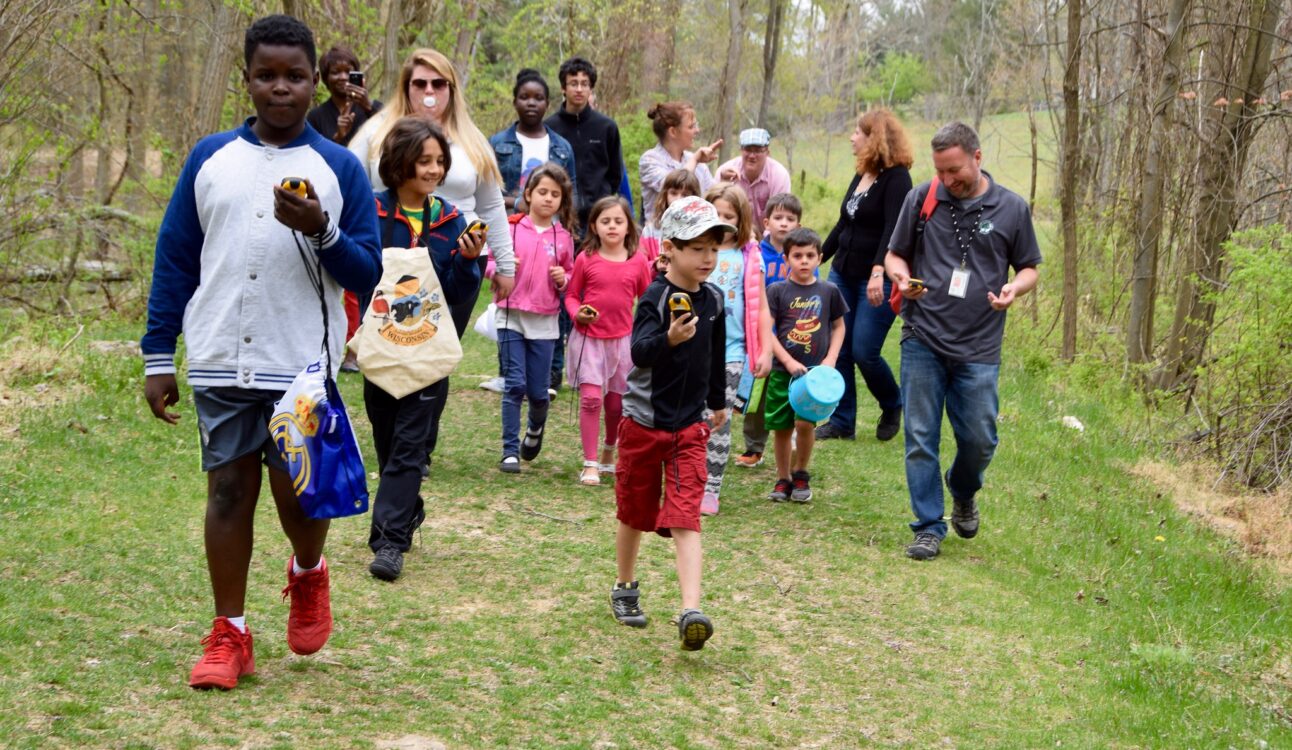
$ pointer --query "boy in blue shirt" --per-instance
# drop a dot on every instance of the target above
(231, 274)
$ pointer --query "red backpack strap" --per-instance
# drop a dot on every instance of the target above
(926, 210)
(930, 201)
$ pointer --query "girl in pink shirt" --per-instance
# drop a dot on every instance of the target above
(526, 319)
(609, 275)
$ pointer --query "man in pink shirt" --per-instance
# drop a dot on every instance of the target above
(760, 175)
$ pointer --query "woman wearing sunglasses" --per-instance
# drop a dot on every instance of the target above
(429, 87)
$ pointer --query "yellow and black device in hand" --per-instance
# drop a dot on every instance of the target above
(477, 226)
(298, 185)
(679, 304)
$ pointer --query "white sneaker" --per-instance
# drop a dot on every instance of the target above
(495, 384)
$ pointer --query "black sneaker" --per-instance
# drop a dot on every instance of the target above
(694, 629)
(925, 547)
(890, 422)
(781, 492)
(509, 465)
(625, 602)
(828, 431)
(800, 491)
(532, 444)
(964, 518)
(387, 564)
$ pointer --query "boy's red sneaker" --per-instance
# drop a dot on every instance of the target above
(228, 656)
(309, 622)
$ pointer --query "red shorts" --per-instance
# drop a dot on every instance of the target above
(649, 458)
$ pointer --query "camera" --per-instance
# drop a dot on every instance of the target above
(298, 185)
(356, 78)
(679, 304)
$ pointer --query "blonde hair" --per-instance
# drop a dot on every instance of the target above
(679, 179)
(456, 124)
(739, 200)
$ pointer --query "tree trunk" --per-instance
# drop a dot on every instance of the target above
(771, 51)
(227, 27)
(1223, 162)
(391, 19)
(729, 81)
(1068, 177)
(1148, 222)
(464, 46)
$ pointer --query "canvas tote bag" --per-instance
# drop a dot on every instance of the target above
(406, 339)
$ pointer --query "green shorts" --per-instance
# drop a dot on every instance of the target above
(779, 415)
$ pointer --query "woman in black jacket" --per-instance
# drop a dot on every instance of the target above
(857, 244)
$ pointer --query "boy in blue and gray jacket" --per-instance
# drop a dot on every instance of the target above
(230, 276)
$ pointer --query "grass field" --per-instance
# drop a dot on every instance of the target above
(1088, 613)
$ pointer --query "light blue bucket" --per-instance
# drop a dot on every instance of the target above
(815, 395)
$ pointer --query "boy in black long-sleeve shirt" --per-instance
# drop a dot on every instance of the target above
(678, 369)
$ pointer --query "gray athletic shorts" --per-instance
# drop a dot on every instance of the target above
(234, 422)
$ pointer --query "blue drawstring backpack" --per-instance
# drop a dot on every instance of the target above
(312, 430)
(313, 434)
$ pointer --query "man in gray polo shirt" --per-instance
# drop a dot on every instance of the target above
(953, 324)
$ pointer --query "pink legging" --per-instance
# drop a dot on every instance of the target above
(590, 403)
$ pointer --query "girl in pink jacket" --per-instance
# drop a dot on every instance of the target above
(527, 319)
(749, 324)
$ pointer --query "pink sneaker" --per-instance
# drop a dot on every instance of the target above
(309, 620)
(709, 505)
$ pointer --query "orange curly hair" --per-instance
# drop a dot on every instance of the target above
(887, 144)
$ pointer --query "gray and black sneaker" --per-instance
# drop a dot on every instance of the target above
(781, 492)
(800, 491)
(532, 444)
(964, 518)
(694, 629)
(625, 602)
(387, 564)
(925, 547)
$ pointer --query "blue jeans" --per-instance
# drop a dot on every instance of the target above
(968, 393)
(558, 350)
(526, 367)
(865, 328)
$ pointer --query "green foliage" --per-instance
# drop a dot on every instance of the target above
(897, 79)
(1245, 387)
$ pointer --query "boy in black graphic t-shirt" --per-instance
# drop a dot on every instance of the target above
(807, 321)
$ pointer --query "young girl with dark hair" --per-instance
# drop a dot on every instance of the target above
(527, 319)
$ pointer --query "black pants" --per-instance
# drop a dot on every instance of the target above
(400, 427)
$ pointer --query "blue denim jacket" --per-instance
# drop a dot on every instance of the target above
(508, 150)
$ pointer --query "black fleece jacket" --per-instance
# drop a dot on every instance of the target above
(860, 241)
(598, 158)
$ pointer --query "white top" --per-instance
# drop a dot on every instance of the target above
(462, 186)
(534, 152)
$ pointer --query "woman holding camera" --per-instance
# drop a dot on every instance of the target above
(341, 116)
